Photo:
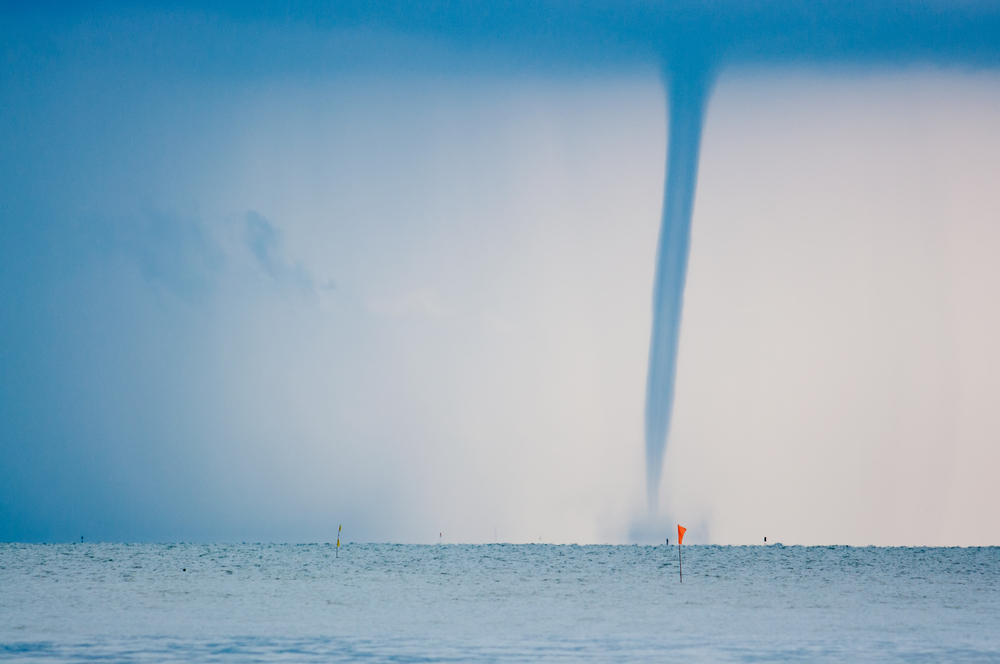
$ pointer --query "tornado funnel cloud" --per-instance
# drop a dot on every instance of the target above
(687, 86)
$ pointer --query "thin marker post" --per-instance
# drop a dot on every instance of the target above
(339, 527)
(680, 540)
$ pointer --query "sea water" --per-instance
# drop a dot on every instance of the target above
(498, 602)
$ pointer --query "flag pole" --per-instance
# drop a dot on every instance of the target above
(680, 540)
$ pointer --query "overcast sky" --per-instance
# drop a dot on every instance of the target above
(367, 280)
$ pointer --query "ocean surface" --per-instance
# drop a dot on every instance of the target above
(496, 603)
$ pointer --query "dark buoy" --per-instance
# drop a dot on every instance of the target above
(668, 541)
(765, 540)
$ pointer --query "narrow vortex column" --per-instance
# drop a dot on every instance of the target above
(687, 91)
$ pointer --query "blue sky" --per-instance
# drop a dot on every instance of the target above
(266, 273)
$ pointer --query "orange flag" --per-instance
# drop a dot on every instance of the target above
(680, 533)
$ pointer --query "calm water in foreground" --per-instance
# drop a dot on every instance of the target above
(520, 603)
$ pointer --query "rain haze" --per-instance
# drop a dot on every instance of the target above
(267, 272)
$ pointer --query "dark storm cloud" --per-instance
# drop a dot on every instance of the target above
(106, 295)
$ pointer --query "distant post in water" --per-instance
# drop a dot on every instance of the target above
(680, 540)
(338, 539)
